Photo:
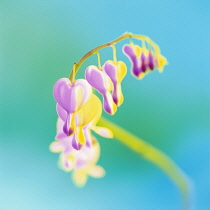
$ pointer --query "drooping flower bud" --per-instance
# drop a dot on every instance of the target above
(71, 97)
(102, 83)
(82, 162)
(116, 72)
(85, 117)
(143, 60)
(151, 61)
(129, 50)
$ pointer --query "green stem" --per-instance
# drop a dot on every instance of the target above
(124, 36)
(153, 155)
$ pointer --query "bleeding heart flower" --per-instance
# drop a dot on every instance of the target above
(143, 60)
(116, 72)
(99, 80)
(70, 96)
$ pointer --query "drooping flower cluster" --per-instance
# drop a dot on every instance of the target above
(78, 112)
(143, 60)
(108, 79)
(79, 109)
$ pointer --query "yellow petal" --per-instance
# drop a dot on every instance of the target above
(162, 61)
(79, 178)
(137, 50)
(102, 131)
(141, 76)
(56, 146)
(145, 51)
(96, 172)
(122, 70)
(91, 111)
(80, 135)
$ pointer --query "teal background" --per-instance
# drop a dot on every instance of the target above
(40, 40)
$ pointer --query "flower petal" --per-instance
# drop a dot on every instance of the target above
(60, 134)
(56, 146)
(98, 79)
(90, 112)
(129, 50)
(88, 137)
(75, 143)
(70, 96)
(66, 162)
(80, 135)
(79, 178)
(96, 172)
(87, 90)
(138, 58)
(161, 62)
(151, 61)
(109, 105)
(116, 71)
(62, 93)
(102, 131)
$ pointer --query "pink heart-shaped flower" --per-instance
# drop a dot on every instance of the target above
(72, 96)
(99, 80)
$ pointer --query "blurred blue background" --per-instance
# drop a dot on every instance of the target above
(40, 40)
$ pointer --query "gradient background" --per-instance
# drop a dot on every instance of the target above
(40, 40)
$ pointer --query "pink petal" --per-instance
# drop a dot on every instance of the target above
(97, 79)
(72, 97)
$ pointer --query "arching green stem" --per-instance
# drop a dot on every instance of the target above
(155, 156)
(122, 37)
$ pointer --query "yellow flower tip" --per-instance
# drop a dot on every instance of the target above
(97, 172)
(113, 112)
(141, 76)
(114, 109)
(55, 147)
(161, 62)
(121, 99)
(79, 178)
(109, 106)
(80, 135)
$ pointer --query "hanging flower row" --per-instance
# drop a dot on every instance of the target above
(79, 109)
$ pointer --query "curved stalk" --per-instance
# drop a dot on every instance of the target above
(122, 37)
(155, 156)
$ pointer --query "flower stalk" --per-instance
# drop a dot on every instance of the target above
(122, 37)
(79, 112)
(153, 155)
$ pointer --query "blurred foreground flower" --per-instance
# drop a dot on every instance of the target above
(79, 112)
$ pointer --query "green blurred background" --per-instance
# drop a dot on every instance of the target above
(39, 42)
